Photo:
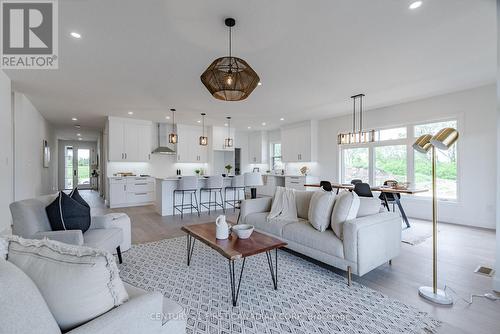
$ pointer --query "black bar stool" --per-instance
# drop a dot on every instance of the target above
(213, 185)
(187, 185)
(237, 186)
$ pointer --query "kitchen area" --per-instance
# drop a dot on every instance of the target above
(145, 160)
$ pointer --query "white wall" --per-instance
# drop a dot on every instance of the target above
(496, 279)
(6, 159)
(475, 110)
(30, 129)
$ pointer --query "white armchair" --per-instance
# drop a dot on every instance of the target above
(30, 221)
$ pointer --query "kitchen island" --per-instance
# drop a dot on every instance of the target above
(165, 194)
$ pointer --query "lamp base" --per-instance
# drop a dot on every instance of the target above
(253, 193)
(439, 297)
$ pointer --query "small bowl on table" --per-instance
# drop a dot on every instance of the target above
(243, 231)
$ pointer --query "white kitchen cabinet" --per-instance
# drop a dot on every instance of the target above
(131, 191)
(188, 145)
(117, 192)
(299, 142)
(258, 147)
(219, 134)
(116, 135)
(129, 139)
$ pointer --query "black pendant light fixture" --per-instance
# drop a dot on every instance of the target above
(230, 78)
(203, 138)
(172, 137)
(228, 142)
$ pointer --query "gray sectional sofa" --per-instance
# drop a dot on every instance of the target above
(368, 241)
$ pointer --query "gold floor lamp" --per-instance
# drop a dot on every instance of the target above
(444, 139)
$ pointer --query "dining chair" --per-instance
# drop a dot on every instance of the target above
(326, 185)
(354, 181)
(363, 189)
(390, 197)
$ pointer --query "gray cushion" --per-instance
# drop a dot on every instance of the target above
(103, 238)
(22, 307)
(320, 209)
(302, 200)
(77, 283)
(345, 208)
(368, 206)
(304, 234)
(259, 220)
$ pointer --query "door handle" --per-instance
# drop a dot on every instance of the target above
(74, 172)
(125, 155)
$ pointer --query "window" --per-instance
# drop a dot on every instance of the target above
(392, 157)
(392, 134)
(355, 164)
(390, 164)
(446, 164)
(276, 156)
(433, 128)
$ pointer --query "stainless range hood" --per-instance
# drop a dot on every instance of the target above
(164, 147)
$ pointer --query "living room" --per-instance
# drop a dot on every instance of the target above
(171, 144)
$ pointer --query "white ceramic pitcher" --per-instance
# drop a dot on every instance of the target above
(221, 228)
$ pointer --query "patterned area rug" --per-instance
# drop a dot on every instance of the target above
(309, 299)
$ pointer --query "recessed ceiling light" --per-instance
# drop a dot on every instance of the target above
(249, 127)
(130, 112)
(74, 34)
(260, 83)
(79, 138)
(79, 134)
(282, 119)
(167, 117)
(198, 121)
(263, 123)
(225, 124)
(415, 4)
(74, 119)
(77, 126)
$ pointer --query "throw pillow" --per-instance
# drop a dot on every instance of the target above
(320, 209)
(22, 307)
(368, 206)
(78, 283)
(65, 213)
(77, 197)
(345, 208)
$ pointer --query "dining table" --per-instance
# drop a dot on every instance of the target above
(384, 190)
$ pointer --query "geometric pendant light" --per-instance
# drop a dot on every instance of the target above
(230, 78)
(356, 136)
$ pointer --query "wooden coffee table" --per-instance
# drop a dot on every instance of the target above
(234, 249)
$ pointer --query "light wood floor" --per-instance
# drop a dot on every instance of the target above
(461, 250)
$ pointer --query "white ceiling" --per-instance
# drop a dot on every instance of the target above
(147, 56)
